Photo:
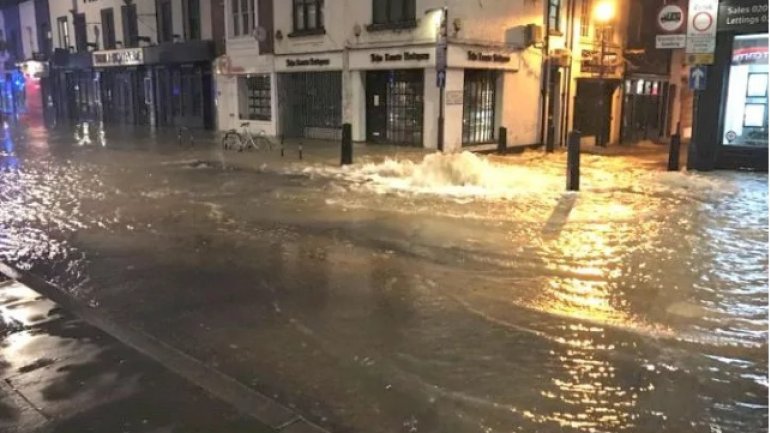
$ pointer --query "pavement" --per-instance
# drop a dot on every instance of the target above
(61, 374)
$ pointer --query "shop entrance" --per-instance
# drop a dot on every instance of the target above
(593, 108)
(394, 107)
(311, 104)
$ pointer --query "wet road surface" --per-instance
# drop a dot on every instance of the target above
(453, 293)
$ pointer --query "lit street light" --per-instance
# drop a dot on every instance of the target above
(604, 13)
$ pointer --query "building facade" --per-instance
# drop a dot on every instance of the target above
(136, 62)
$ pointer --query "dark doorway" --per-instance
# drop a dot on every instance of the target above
(593, 108)
(394, 107)
(645, 109)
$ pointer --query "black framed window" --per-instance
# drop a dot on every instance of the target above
(255, 94)
(308, 16)
(64, 32)
(479, 100)
(191, 10)
(241, 17)
(585, 18)
(81, 38)
(165, 21)
(405, 107)
(108, 28)
(130, 25)
(393, 11)
(554, 15)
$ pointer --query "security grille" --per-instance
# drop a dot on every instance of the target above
(479, 96)
(405, 107)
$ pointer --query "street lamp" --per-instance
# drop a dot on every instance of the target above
(604, 13)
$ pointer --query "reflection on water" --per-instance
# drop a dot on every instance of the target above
(455, 293)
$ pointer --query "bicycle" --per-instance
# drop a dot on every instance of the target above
(245, 139)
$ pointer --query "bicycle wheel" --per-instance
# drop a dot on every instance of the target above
(232, 141)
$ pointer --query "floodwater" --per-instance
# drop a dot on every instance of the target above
(446, 294)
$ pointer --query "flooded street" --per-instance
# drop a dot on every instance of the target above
(454, 293)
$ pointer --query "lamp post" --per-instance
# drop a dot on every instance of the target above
(441, 65)
(604, 12)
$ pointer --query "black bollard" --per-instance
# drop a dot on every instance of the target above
(673, 152)
(573, 161)
(300, 151)
(346, 152)
(502, 140)
(179, 136)
(281, 145)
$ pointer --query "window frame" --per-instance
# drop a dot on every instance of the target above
(165, 24)
(585, 18)
(257, 93)
(318, 26)
(407, 19)
(192, 22)
(62, 28)
(237, 15)
(108, 37)
(554, 16)
(130, 26)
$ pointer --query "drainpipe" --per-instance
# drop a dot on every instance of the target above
(544, 73)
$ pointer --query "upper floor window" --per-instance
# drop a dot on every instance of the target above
(108, 28)
(192, 19)
(308, 16)
(64, 32)
(130, 25)
(242, 17)
(585, 18)
(165, 21)
(554, 15)
(393, 11)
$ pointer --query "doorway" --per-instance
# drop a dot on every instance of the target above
(593, 108)
(394, 107)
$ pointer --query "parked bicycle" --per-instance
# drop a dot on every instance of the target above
(245, 139)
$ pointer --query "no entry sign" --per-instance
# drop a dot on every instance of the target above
(701, 26)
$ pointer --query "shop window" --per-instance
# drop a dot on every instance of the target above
(242, 17)
(405, 107)
(554, 15)
(255, 97)
(108, 29)
(745, 121)
(64, 33)
(191, 10)
(393, 12)
(479, 99)
(308, 17)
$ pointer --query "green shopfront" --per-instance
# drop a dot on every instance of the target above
(731, 114)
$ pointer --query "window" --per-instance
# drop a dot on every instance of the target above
(192, 19)
(165, 21)
(554, 15)
(308, 16)
(130, 26)
(585, 18)
(64, 33)
(255, 97)
(108, 29)
(745, 116)
(81, 39)
(393, 11)
(479, 99)
(242, 14)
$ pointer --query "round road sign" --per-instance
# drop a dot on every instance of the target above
(702, 21)
(671, 18)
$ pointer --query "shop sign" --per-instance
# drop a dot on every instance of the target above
(591, 62)
(125, 57)
(405, 56)
(701, 26)
(478, 56)
(312, 61)
(700, 59)
(745, 16)
(750, 52)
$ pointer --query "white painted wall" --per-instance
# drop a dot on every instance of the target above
(28, 28)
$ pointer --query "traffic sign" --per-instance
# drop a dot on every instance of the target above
(667, 42)
(671, 18)
(440, 78)
(698, 77)
(701, 26)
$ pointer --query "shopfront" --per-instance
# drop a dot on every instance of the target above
(730, 124)
(124, 86)
(647, 105)
(73, 87)
(394, 88)
(310, 95)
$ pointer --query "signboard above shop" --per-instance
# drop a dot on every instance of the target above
(124, 57)
(746, 16)
(391, 58)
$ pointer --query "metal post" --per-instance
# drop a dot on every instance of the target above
(573, 161)
(602, 53)
(300, 151)
(440, 135)
(673, 152)
(281, 145)
(502, 140)
(346, 152)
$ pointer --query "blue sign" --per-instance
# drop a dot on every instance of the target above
(440, 78)
(698, 77)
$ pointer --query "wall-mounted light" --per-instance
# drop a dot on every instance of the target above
(458, 25)
(279, 35)
(357, 30)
